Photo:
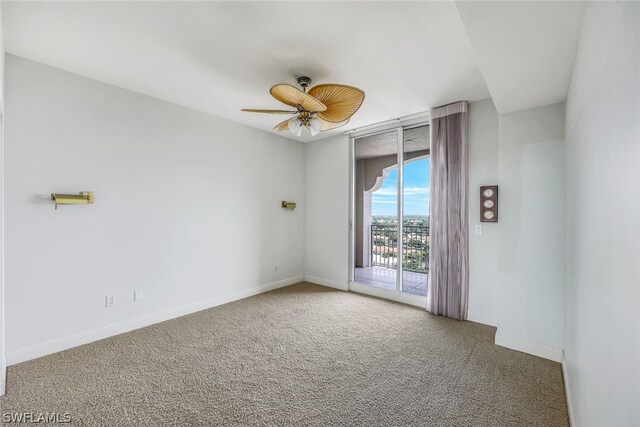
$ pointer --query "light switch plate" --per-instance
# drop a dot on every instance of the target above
(110, 301)
(478, 229)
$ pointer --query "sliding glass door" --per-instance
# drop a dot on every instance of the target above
(390, 219)
(415, 211)
(376, 210)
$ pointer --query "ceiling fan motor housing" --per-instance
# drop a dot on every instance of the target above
(304, 81)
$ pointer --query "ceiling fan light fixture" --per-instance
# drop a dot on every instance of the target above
(295, 126)
(315, 126)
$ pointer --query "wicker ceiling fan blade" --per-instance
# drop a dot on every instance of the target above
(294, 97)
(329, 125)
(255, 110)
(342, 101)
(282, 125)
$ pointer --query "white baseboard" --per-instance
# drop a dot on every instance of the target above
(68, 342)
(540, 350)
(567, 391)
(326, 282)
(386, 294)
(482, 318)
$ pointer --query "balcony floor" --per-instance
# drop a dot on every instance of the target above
(385, 278)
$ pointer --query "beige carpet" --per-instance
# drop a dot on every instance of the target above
(298, 356)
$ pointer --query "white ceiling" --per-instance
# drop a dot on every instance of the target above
(219, 57)
(526, 50)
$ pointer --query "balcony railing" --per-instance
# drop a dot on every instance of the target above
(415, 247)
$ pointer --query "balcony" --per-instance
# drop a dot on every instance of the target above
(384, 258)
(415, 248)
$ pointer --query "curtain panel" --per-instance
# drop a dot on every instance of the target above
(448, 264)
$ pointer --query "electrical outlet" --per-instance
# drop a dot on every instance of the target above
(478, 229)
(110, 301)
(138, 294)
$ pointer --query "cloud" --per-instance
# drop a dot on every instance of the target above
(408, 191)
(385, 191)
(411, 191)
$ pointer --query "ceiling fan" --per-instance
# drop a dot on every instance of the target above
(323, 107)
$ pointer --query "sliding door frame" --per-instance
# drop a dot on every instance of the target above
(399, 126)
(352, 211)
(400, 209)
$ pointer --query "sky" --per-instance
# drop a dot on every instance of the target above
(416, 190)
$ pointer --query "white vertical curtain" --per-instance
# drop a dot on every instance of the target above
(448, 263)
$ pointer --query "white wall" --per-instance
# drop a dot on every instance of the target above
(3, 359)
(326, 245)
(483, 248)
(602, 346)
(531, 175)
(516, 266)
(187, 206)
